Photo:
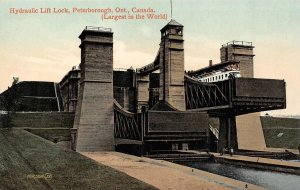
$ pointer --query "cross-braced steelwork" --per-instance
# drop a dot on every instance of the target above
(235, 96)
(126, 124)
(204, 95)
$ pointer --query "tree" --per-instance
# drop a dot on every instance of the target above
(10, 101)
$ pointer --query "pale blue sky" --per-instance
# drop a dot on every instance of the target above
(45, 47)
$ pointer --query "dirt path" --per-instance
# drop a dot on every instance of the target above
(166, 175)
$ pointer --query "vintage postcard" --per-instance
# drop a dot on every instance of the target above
(149, 94)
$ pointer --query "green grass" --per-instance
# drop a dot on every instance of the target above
(288, 138)
(23, 154)
(280, 122)
(289, 127)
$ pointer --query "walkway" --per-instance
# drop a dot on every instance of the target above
(165, 175)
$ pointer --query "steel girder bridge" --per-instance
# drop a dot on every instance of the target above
(225, 99)
(236, 96)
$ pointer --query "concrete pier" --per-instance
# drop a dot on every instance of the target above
(94, 116)
(248, 127)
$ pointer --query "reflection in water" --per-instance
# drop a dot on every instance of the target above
(267, 179)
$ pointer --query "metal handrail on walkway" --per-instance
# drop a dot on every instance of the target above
(94, 28)
(234, 42)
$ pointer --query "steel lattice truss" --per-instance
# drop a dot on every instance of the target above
(203, 95)
(126, 124)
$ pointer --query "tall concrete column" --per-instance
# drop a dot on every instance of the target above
(172, 65)
(94, 117)
(249, 129)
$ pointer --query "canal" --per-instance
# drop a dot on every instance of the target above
(266, 179)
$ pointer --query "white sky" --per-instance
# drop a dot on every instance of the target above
(45, 47)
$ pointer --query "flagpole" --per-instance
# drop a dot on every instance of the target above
(171, 9)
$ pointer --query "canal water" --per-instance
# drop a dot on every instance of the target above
(267, 179)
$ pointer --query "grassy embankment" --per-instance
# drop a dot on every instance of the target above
(281, 132)
(23, 155)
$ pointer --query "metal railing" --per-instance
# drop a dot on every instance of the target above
(94, 28)
(120, 69)
(145, 68)
(126, 124)
(243, 43)
(214, 131)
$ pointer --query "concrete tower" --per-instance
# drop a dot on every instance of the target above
(94, 117)
(239, 51)
(172, 65)
(248, 127)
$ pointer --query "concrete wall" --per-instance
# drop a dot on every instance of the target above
(36, 88)
(53, 126)
(36, 96)
(173, 130)
(41, 119)
(60, 136)
(250, 135)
